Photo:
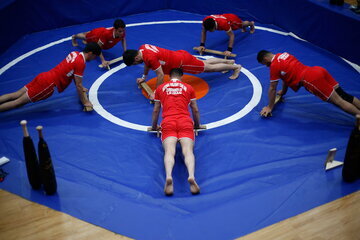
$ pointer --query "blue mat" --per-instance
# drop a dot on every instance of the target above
(253, 172)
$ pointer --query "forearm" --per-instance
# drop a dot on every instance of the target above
(160, 76)
(284, 89)
(271, 96)
(203, 37)
(82, 94)
(155, 118)
(196, 118)
(231, 40)
(123, 42)
(102, 57)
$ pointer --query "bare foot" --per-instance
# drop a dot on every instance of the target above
(194, 188)
(231, 62)
(236, 73)
(74, 42)
(252, 27)
(169, 187)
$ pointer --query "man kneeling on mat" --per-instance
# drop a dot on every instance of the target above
(175, 97)
(42, 86)
(315, 79)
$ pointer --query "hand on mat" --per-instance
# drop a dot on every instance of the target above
(158, 128)
(105, 64)
(88, 107)
(200, 127)
(266, 112)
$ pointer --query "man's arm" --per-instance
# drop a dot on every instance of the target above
(80, 89)
(266, 111)
(284, 89)
(123, 43)
(155, 116)
(160, 76)
(103, 61)
(231, 42)
(202, 40)
(143, 78)
(195, 113)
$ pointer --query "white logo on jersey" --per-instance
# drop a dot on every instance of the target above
(218, 16)
(152, 48)
(283, 56)
(173, 91)
(69, 74)
(71, 57)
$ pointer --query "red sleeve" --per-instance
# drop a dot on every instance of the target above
(79, 66)
(152, 61)
(274, 72)
(105, 35)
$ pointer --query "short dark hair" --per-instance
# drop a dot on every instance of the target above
(209, 24)
(261, 54)
(176, 72)
(129, 56)
(118, 23)
(92, 47)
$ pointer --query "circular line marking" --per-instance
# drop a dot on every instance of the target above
(255, 99)
(256, 84)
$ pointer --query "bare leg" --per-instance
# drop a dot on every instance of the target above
(187, 146)
(356, 102)
(12, 96)
(219, 60)
(219, 67)
(78, 36)
(344, 105)
(15, 103)
(169, 145)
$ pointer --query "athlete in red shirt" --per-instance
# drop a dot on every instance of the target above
(162, 61)
(226, 22)
(42, 86)
(294, 74)
(105, 37)
(175, 97)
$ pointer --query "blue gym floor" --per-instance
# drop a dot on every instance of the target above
(253, 172)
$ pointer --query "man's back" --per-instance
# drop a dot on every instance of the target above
(175, 97)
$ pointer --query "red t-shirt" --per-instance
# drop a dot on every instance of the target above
(64, 72)
(226, 22)
(105, 36)
(156, 57)
(175, 97)
(286, 67)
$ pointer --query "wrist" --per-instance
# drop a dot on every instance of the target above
(143, 77)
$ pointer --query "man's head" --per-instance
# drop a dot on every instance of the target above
(264, 57)
(119, 27)
(132, 57)
(92, 50)
(209, 24)
(176, 73)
